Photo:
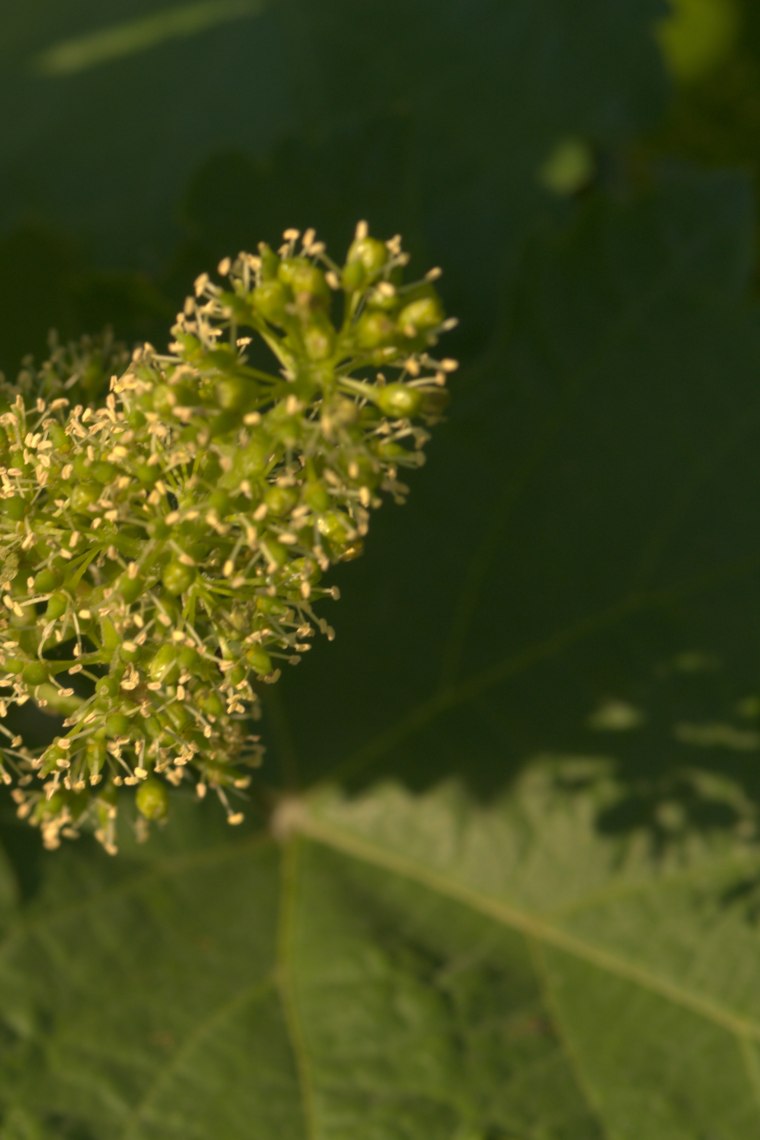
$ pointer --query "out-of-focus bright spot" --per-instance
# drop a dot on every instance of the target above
(694, 662)
(615, 716)
(97, 48)
(697, 36)
(716, 735)
(671, 815)
(568, 168)
(749, 708)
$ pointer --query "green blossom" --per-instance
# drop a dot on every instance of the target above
(164, 544)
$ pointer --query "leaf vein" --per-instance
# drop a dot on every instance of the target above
(515, 664)
(571, 1054)
(175, 865)
(286, 987)
(250, 994)
(532, 926)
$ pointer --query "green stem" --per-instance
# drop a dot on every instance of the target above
(55, 700)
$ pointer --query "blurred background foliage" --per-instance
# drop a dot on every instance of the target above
(139, 146)
(558, 166)
(551, 162)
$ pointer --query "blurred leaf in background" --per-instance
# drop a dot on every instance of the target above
(712, 48)
(509, 884)
(697, 36)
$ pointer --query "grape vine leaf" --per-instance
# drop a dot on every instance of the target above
(510, 887)
(485, 928)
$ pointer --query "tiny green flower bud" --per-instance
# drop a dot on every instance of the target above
(109, 635)
(136, 419)
(335, 527)
(353, 277)
(152, 799)
(223, 423)
(240, 307)
(128, 588)
(233, 393)
(254, 457)
(152, 727)
(383, 300)
(236, 675)
(36, 673)
(56, 607)
(177, 577)
(259, 660)
(84, 495)
(399, 400)
(373, 330)
(319, 340)
(273, 607)
(60, 440)
(164, 666)
(276, 552)
(316, 496)
(302, 570)
(420, 316)
(159, 529)
(211, 704)
(285, 429)
(117, 724)
(47, 580)
(129, 651)
(164, 399)
(362, 470)
(53, 755)
(270, 300)
(146, 473)
(368, 252)
(189, 658)
(303, 278)
(351, 551)
(15, 507)
(388, 450)
(280, 500)
(103, 472)
(81, 466)
(270, 262)
(178, 716)
(108, 686)
(191, 348)
(220, 502)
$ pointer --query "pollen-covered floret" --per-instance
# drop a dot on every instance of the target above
(164, 545)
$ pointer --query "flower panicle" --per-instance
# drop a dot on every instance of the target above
(164, 546)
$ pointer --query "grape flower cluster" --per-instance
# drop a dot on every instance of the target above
(163, 542)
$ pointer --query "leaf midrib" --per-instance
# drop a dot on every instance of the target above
(531, 926)
(286, 986)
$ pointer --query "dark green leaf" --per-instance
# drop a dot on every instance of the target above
(510, 885)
